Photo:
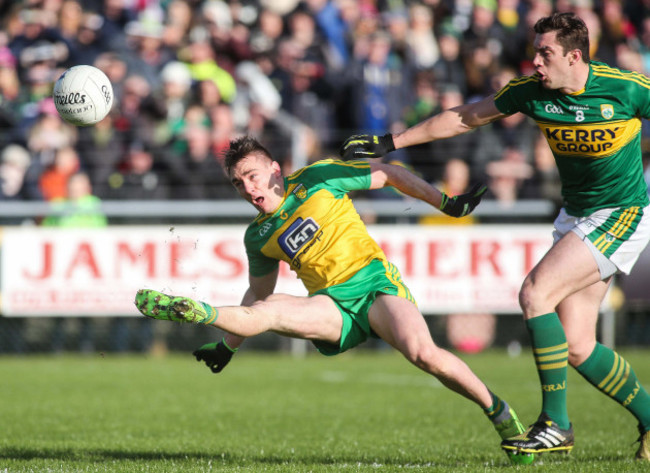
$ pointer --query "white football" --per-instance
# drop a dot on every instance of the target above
(83, 95)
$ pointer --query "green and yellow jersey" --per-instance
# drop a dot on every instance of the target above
(595, 135)
(315, 229)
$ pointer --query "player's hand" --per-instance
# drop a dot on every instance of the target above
(366, 146)
(462, 204)
(215, 355)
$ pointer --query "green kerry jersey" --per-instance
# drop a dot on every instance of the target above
(595, 134)
(316, 228)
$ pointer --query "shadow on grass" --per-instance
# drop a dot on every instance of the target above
(224, 458)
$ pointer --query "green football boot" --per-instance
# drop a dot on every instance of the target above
(512, 427)
(157, 305)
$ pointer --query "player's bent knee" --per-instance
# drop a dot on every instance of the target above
(426, 358)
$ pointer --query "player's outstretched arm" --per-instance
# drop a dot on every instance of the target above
(218, 354)
(384, 175)
(446, 124)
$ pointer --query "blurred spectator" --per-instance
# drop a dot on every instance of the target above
(100, 150)
(47, 133)
(116, 70)
(54, 180)
(199, 174)
(305, 94)
(177, 25)
(39, 41)
(9, 93)
(231, 42)
(87, 43)
(545, 183)
(507, 176)
(222, 128)
(173, 98)
(139, 178)
(116, 16)
(266, 36)
(327, 15)
(70, 18)
(18, 176)
(130, 111)
(79, 207)
(146, 54)
(377, 95)
(483, 44)
(203, 66)
(449, 69)
(423, 45)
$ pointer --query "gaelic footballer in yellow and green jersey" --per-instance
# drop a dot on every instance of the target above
(595, 135)
(316, 228)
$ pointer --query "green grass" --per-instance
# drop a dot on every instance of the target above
(357, 412)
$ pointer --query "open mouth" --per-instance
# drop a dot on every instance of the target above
(258, 200)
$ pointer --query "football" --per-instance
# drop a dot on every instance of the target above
(83, 95)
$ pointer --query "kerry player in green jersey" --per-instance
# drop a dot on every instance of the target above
(307, 220)
(590, 114)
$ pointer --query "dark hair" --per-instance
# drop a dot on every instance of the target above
(572, 33)
(240, 148)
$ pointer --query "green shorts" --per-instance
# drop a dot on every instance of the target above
(354, 298)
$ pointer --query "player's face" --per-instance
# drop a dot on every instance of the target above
(259, 181)
(551, 64)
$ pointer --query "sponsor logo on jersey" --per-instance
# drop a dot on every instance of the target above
(607, 111)
(300, 191)
(299, 233)
(595, 140)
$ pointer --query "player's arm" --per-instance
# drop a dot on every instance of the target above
(217, 355)
(446, 124)
(384, 175)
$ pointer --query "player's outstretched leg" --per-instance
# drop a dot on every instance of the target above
(160, 306)
(643, 453)
(541, 437)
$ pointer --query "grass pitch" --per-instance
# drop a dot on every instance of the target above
(359, 412)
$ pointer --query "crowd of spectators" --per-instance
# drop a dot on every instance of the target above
(188, 76)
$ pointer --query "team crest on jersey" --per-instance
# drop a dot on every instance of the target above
(300, 191)
(299, 233)
(607, 110)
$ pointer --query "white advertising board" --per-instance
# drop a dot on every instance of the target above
(96, 272)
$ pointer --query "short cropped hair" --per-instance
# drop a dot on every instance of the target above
(572, 32)
(240, 148)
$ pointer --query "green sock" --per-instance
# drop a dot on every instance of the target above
(613, 376)
(551, 357)
(212, 312)
(498, 411)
